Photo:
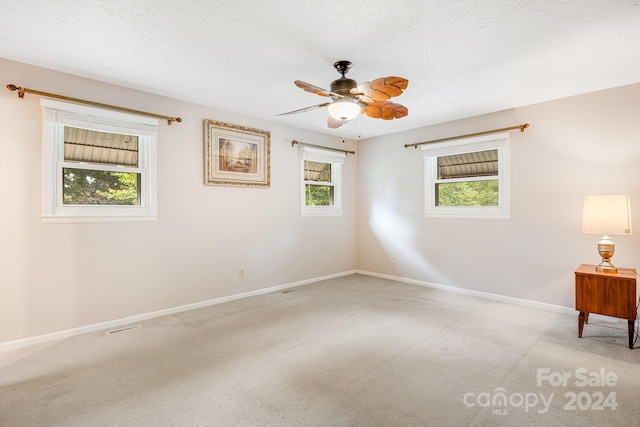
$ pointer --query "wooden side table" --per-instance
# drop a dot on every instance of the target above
(607, 294)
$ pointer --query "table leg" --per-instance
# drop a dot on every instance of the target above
(631, 330)
(581, 318)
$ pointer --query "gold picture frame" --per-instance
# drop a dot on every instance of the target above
(236, 155)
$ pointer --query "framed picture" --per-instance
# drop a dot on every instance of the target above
(236, 155)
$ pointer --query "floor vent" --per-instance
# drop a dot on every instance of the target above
(123, 329)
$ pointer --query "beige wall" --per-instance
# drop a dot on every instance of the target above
(55, 277)
(583, 145)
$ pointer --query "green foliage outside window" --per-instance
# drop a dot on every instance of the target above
(319, 195)
(96, 187)
(467, 193)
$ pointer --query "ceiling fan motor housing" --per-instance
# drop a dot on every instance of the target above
(343, 85)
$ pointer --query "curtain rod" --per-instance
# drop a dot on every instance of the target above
(294, 142)
(521, 127)
(22, 91)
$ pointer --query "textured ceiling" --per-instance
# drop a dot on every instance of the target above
(462, 58)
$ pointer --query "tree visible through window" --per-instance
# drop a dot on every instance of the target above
(318, 185)
(106, 171)
(95, 187)
(321, 189)
(468, 178)
(98, 165)
(469, 193)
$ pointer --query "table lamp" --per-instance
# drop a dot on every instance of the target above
(606, 215)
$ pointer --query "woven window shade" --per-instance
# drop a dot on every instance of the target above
(83, 145)
(317, 171)
(468, 165)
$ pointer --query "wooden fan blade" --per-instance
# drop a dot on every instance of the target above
(399, 82)
(380, 89)
(370, 93)
(308, 87)
(368, 100)
(334, 123)
(302, 110)
(386, 110)
(382, 86)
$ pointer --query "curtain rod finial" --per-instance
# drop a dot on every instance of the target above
(13, 88)
(523, 127)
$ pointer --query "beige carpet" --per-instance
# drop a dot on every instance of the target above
(352, 351)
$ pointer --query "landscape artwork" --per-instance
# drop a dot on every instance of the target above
(236, 155)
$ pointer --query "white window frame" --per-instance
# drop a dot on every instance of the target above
(55, 116)
(336, 159)
(499, 142)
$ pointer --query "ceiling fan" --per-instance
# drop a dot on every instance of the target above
(348, 99)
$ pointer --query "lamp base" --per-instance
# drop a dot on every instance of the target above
(606, 267)
(606, 249)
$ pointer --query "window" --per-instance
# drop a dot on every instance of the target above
(468, 178)
(98, 165)
(321, 177)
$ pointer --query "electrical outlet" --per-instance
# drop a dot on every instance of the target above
(392, 259)
(241, 273)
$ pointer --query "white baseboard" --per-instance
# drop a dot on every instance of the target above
(479, 294)
(502, 298)
(41, 339)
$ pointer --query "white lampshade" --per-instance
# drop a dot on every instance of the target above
(344, 109)
(606, 215)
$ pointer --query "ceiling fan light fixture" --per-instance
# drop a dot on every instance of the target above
(349, 100)
(344, 109)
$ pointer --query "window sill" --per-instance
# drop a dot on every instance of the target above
(71, 219)
(476, 215)
(308, 214)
